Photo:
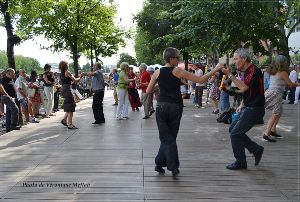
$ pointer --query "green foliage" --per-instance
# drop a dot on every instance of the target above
(215, 27)
(125, 57)
(72, 25)
(144, 54)
(296, 58)
(86, 67)
(26, 63)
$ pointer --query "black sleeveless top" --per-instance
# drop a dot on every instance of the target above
(50, 78)
(169, 86)
(65, 80)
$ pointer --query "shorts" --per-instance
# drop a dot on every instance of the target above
(23, 103)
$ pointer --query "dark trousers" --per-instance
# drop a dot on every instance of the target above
(98, 106)
(12, 113)
(199, 94)
(56, 100)
(291, 95)
(247, 118)
(168, 116)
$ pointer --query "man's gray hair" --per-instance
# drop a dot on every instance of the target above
(123, 65)
(143, 65)
(9, 70)
(98, 65)
(170, 53)
(244, 53)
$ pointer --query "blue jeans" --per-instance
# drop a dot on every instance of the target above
(224, 101)
(12, 112)
(239, 140)
(168, 116)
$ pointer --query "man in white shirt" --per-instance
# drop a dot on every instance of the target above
(293, 77)
(199, 88)
(22, 96)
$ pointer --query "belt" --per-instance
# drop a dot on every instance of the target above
(98, 91)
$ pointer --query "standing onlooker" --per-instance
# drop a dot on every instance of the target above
(278, 80)
(214, 93)
(250, 110)
(22, 96)
(98, 88)
(224, 95)
(169, 108)
(57, 90)
(8, 92)
(133, 94)
(49, 82)
(199, 87)
(293, 77)
(266, 79)
(123, 81)
(144, 82)
(69, 102)
(35, 97)
(115, 77)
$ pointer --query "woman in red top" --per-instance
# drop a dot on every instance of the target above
(134, 97)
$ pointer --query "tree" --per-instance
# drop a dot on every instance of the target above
(12, 39)
(153, 25)
(125, 57)
(69, 24)
(144, 54)
(219, 27)
(26, 63)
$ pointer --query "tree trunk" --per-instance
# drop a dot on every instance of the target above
(91, 56)
(9, 31)
(75, 55)
(186, 60)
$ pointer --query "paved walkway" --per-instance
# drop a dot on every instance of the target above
(115, 161)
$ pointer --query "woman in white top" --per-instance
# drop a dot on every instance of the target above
(279, 78)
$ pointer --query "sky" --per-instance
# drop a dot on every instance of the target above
(31, 48)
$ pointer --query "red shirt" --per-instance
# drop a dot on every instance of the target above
(145, 78)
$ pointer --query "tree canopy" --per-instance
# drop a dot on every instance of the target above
(125, 57)
(216, 27)
(72, 25)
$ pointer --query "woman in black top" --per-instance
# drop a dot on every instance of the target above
(69, 102)
(49, 81)
(169, 107)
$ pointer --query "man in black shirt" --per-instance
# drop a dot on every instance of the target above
(250, 110)
(8, 92)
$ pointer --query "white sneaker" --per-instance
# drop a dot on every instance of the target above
(295, 103)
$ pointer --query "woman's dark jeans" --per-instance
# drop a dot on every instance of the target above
(168, 116)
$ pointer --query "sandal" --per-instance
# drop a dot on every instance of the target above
(64, 122)
(72, 127)
(268, 138)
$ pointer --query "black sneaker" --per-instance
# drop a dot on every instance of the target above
(146, 117)
(159, 169)
(275, 135)
(152, 112)
(175, 172)
(236, 166)
(257, 155)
